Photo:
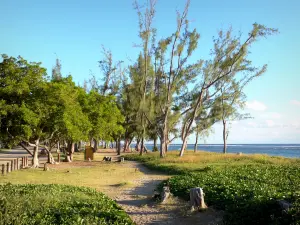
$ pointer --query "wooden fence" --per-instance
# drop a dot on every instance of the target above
(14, 164)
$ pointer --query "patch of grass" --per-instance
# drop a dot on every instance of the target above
(245, 186)
(201, 161)
(57, 204)
(100, 176)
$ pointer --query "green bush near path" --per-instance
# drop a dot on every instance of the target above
(57, 204)
(247, 188)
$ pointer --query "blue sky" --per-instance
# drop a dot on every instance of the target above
(75, 30)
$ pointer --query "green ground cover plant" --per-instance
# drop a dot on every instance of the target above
(57, 204)
(247, 187)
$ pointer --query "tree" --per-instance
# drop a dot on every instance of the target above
(56, 71)
(23, 98)
(104, 115)
(229, 62)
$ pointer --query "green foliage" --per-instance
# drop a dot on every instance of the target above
(57, 204)
(248, 194)
(104, 115)
(246, 187)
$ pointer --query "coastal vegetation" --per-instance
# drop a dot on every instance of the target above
(57, 204)
(248, 187)
(162, 95)
(169, 92)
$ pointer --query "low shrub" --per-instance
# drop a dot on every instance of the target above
(248, 194)
(57, 204)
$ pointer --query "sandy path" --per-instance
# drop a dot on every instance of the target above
(138, 203)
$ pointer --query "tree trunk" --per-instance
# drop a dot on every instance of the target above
(69, 155)
(224, 137)
(35, 158)
(196, 142)
(126, 145)
(183, 146)
(142, 146)
(155, 143)
(50, 156)
(118, 146)
(58, 147)
(137, 147)
(95, 145)
(76, 147)
(163, 145)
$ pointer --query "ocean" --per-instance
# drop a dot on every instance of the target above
(285, 150)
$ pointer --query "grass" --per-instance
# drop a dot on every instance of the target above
(104, 177)
(57, 204)
(197, 162)
(247, 187)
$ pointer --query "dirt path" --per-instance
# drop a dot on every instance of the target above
(138, 203)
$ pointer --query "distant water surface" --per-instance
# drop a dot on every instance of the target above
(286, 150)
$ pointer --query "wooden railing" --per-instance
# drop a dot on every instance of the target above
(14, 164)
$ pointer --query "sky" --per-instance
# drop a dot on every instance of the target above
(74, 31)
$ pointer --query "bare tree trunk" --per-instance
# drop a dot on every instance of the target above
(155, 143)
(95, 145)
(126, 145)
(25, 147)
(163, 144)
(224, 137)
(142, 146)
(69, 155)
(183, 146)
(58, 147)
(137, 147)
(76, 147)
(118, 142)
(196, 142)
(50, 156)
(35, 158)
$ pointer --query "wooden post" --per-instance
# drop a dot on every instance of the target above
(22, 163)
(11, 165)
(26, 161)
(18, 166)
(58, 157)
(7, 168)
(3, 169)
(15, 164)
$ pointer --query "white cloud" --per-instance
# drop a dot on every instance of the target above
(270, 123)
(271, 115)
(295, 102)
(256, 105)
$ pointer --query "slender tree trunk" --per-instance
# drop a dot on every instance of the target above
(196, 142)
(76, 147)
(50, 156)
(95, 144)
(69, 155)
(118, 146)
(142, 146)
(58, 147)
(137, 147)
(35, 158)
(79, 145)
(163, 144)
(183, 146)
(224, 137)
(155, 143)
(126, 145)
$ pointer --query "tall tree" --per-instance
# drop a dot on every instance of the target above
(230, 61)
(56, 71)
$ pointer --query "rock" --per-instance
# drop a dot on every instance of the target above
(197, 199)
